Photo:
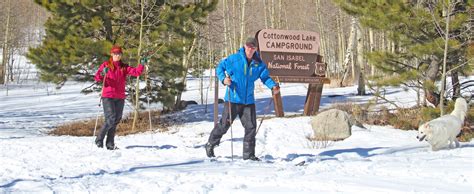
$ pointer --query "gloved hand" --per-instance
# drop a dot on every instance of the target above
(276, 90)
(227, 81)
(144, 60)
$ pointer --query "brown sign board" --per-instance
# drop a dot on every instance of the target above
(293, 56)
(278, 63)
(288, 41)
(291, 53)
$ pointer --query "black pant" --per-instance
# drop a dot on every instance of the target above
(248, 118)
(113, 109)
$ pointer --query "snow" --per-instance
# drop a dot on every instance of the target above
(378, 159)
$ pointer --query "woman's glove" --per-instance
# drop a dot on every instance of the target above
(144, 60)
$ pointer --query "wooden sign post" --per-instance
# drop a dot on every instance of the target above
(292, 56)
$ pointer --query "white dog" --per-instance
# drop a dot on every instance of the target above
(442, 131)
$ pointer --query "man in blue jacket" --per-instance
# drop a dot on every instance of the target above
(239, 71)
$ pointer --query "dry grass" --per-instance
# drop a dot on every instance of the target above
(467, 132)
(318, 143)
(86, 127)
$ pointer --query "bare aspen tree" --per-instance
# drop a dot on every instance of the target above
(226, 28)
(286, 19)
(348, 54)
(341, 41)
(279, 14)
(322, 34)
(383, 41)
(371, 48)
(234, 27)
(242, 21)
(265, 13)
(5, 48)
(137, 86)
(200, 69)
(272, 14)
(360, 62)
(354, 68)
(185, 63)
(443, 75)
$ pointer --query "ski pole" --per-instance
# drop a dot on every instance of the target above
(266, 109)
(231, 131)
(98, 111)
(264, 116)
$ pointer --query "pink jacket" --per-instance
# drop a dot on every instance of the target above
(114, 86)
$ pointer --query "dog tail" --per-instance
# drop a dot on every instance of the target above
(460, 108)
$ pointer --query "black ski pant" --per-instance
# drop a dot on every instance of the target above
(248, 118)
(113, 109)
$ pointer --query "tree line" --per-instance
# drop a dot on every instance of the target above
(414, 43)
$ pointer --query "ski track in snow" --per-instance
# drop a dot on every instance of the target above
(373, 160)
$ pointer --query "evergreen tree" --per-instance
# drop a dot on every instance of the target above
(80, 34)
(417, 29)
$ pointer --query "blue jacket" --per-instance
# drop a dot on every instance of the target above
(243, 76)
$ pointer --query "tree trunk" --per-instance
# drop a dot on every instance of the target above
(211, 76)
(265, 15)
(225, 15)
(185, 63)
(242, 22)
(349, 51)
(5, 47)
(360, 62)
(371, 49)
(201, 71)
(322, 35)
(431, 75)
(341, 43)
(445, 56)
(9, 74)
(272, 14)
(455, 84)
(137, 86)
(234, 28)
(279, 14)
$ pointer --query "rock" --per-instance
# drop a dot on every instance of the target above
(331, 125)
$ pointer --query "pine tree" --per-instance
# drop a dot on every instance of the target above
(80, 34)
(417, 29)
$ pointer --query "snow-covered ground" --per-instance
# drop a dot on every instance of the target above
(373, 160)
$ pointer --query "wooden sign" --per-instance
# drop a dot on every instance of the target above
(290, 52)
(293, 56)
(288, 41)
(290, 63)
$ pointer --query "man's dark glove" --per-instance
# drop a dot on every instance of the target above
(276, 90)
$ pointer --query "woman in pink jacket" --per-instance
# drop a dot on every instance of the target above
(114, 74)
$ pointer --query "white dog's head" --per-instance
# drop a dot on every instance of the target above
(424, 132)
